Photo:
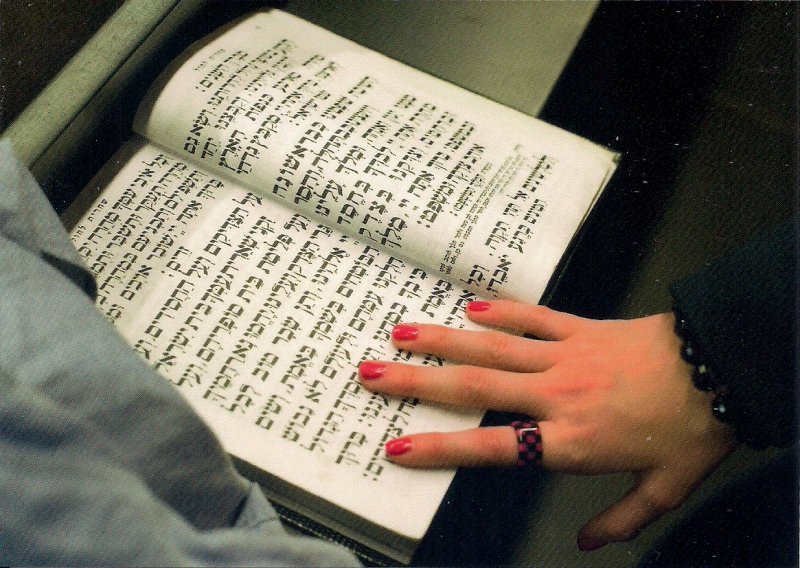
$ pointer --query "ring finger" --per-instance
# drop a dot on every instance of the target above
(495, 446)
(478, 447)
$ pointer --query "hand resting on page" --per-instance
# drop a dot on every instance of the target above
(609, 396)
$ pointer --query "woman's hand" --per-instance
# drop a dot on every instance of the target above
(609, 396)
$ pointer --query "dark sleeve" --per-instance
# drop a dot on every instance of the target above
(740, 314)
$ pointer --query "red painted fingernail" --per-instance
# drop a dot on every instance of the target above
(398, 447)
(478, 306)
(371, 370)
(590, 543)
(404, 332)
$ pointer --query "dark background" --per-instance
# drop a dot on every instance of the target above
(37, 38)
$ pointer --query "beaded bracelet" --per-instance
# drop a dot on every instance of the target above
(702, 377)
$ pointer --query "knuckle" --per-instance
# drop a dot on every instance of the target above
(576, 453)
(667, 502)
(473, 383)
(661, 501)
(577, 457)
(438, 338)
(436, 445)
(497, 348)
(539, 312)
(409, 381)
(495, 446)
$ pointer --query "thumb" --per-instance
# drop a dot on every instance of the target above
(653, 494)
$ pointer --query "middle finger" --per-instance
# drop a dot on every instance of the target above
(494, 349)
(460, 385)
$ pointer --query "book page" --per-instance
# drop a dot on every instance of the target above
(415, 166)
(259, 316)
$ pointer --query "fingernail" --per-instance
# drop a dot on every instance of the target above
(590, 543)
(404, 332)
(371, 370)
(478, 306)
(398, 447)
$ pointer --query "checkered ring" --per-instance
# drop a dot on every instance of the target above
(529, 443)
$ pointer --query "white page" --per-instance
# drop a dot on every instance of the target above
(260, 319)
(424, 169)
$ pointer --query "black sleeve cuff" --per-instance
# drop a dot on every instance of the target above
(741, 314)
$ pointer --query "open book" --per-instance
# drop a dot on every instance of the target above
(289, 198)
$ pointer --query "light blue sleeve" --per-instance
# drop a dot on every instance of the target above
(101, 461)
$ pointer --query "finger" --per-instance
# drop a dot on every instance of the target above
(493, 349)
(478, 447)
(539, 321)
(468, 386)
(653, 495)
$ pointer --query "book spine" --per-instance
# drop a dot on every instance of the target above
(311, 527)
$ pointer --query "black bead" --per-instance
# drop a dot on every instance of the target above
(720, 408)
(688, 353)
(702, 378)
(680, 325)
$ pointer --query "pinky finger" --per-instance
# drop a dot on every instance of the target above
(478, 447)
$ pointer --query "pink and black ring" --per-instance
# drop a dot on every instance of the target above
(529, 443)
